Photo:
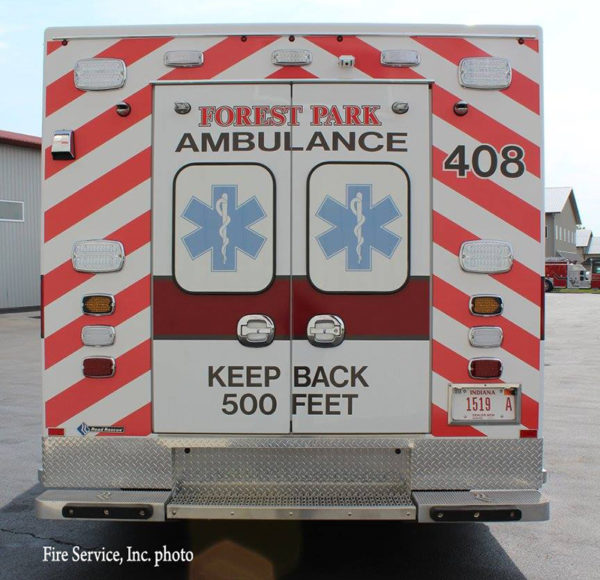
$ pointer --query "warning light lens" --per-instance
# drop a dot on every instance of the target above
(485, 336)
(98, 335)
(98, 304)
(486, 72)
(486, 256)
(485, 305)
(99, 367)
(98, 256)
(400, 57)
(99, 74)
(485, 368)
(291, 57)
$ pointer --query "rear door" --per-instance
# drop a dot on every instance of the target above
(221, 259)
(361, 258)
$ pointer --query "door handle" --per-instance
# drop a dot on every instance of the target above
(255, 330)
(325, 330)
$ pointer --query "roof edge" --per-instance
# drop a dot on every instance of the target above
(20, 140)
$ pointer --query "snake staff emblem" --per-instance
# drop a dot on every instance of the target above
(356, 208)
(221, 207)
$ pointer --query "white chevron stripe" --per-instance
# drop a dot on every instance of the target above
(117, 405)
(516, 308)
(67, 372)
(118, 213)
(485, 224)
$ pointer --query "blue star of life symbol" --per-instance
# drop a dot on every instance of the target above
(223, 228)
(358, 227)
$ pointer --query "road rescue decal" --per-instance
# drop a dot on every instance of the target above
(222, 117)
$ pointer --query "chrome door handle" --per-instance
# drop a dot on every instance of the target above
(255, 330)
(325, 330)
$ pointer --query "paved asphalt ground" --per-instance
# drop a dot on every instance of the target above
(568, 546)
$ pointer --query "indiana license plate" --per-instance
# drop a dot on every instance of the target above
(484, 403)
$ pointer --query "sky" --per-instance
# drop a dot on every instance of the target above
(571, 82)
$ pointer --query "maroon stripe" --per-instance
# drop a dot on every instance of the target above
(180, 314)
(403, 314)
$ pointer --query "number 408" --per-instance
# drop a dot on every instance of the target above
(485, 161)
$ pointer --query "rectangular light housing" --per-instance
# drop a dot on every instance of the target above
(485, 368)
(184, 58)
(487, 72)
(98, 256)
(96, 335)
(100, 74)
(291, 57)
(486, 305)
(99, 367)
(485, 336)
(98, 304)
(400, 57)
(486, 256)
(63, 144)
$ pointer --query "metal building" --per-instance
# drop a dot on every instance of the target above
(19, 221)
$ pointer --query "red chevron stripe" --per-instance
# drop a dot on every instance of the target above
(495, 199)
(477, 124)
(138, 423)
(455, 304)
(62, 91)
(292, 72)
(67, 340)
(440, 427)
(521, 279)
(108, 124)
(64, 278)
(530, 412)
(88, 392)
(522, 89)
(532, 43)
(97, 194)
(53, 45)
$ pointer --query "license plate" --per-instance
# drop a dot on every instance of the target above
(484, 403)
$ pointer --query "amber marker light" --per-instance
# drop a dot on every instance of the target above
(98, 304)
(486, 305)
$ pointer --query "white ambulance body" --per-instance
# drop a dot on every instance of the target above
(293, 271)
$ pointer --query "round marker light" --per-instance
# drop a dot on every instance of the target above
(98, 304)
(485, 368)
(99, 367)
(486, 305)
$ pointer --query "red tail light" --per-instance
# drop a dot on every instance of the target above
(56, 432)
(485, 368)
(528, 433)
(99, 367)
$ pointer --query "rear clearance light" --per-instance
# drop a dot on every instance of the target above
(528, 433)
(184, 58)
(291, 57)
(400, 58)
(486, 72)
(485, 336)
(98, 335)
(485, 368)
(486, 305)
(56, 432)
(99, 367)
(98, 304)
(99, 74)
(486, 256)
(97, 256)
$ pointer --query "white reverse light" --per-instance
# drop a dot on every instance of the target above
(400, 57)
(98, 335)
(99, 74)
(485, 336)
(98, 256)
(487, 72)
(184, 58)
(291, 57)
(486, 256)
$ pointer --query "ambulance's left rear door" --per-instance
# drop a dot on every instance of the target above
(221, 259)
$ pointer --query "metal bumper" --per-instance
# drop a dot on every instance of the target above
(294, 477)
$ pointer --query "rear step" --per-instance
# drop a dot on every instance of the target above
(325, 501)
(481, 506)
